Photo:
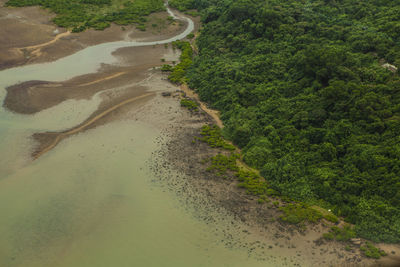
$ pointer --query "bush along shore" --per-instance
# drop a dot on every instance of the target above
(229, 164)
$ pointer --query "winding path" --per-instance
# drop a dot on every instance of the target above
(55, 39)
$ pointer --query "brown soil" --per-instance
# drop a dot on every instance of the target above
(29, 37)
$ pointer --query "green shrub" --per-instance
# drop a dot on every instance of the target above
(141, 27)
(371, 251)
(189, 104)
(252, 182)
(331, 218)
(182, 5)
(186, 59)
(299, 213)
(273, 193)
(192, 13)
(166, 68)
(212, 135)
(221, 164)
(340, 234)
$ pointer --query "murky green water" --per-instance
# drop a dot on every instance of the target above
(91, 202)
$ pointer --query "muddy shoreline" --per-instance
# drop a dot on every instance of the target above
(272, 241)
(205, 191)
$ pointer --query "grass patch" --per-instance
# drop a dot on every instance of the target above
(192, 13)
(166, 68)
(189, 104)
(299, 213)
(327, 214)
(331, 218)
(252, 182)
(340, 234)
(371, 251)
(212, 135)
(221, 164)
(186, 59)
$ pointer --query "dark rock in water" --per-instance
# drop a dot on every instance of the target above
(166, 93)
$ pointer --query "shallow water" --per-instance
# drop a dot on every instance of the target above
(91, 201)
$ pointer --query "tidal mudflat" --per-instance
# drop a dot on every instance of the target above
(98, 169)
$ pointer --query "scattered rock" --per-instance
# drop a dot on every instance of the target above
(166, 93)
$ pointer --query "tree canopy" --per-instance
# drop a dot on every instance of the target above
(301, 89)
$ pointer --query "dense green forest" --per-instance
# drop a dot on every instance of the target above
(79, 15)
(302, 90)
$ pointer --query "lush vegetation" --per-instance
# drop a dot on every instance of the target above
(225, 165)
(297, 213)
(331, 218)
(181, 5)
(371, 251)
(212, 135)
(186, 59)
(254, 184)
(166, 68)
(301, 89)
(222, 163)
(189, 104)
(340, 234)
(79, 15)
